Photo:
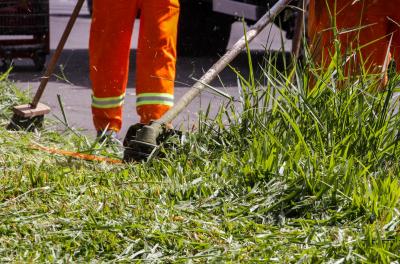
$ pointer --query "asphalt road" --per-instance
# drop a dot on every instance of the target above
(71, 80)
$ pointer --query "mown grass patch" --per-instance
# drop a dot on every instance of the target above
(285, 174)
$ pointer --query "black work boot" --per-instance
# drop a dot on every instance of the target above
(107, 138)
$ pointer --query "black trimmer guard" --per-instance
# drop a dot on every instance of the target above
(137, 151)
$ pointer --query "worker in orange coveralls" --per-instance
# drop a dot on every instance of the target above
(109, 48)
(371, 25)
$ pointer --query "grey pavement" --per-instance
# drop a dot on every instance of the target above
(71, 80)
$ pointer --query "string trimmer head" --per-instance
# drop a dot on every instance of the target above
(143, 142)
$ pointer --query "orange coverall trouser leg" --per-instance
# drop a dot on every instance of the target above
(110, 41)
(365, 24)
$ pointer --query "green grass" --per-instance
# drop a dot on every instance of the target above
(287, 174)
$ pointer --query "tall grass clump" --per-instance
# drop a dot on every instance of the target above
(295, 170)
(319, 148)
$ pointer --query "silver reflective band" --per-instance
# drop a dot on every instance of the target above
(108, 102)
(155, 98)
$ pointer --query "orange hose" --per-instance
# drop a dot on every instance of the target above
(76, 155)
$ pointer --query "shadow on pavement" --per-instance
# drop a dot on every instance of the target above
(73, 68)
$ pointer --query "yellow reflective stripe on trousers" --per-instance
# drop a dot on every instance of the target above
(155, 98)
(108, 102)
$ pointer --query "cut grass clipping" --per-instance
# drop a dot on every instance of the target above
(284, 174)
